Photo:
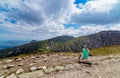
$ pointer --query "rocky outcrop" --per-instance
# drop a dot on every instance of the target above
(101, 39)
(104, 38)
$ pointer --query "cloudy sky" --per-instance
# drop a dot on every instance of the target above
(43, 19)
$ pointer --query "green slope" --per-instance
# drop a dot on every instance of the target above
(73, 45)
(34, 47)
(101, 39)
(106, 50)
(66, 44)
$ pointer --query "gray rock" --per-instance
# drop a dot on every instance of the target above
(35, 74)
(9, 66)
(33, 68)
(6, 71)
(45, 60)
(8, 61)
(21, 64)
(69, 66)
(59, 68)
(19, 71)
(2, 76)
(77, 66)
(31, 64)
(12, 76)
(49, 70)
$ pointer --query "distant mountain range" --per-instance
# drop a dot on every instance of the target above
(65, 44)
(11, 43)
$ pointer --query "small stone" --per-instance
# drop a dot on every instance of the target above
(9, 66)
(21, 64)
(48, 70)
(2, 76)
(42, 68)
(69, 66)
(8, 61)
(35, 74)
(88, 72)
(31, 64)
(78, 66)
(12, 76)
(43, 56)
(37, 57)
(17, 59)
(6, 71)
(33, 57)
(19, 71)
(45, 60)
(59, 68)
(95, 63)
(33, 68)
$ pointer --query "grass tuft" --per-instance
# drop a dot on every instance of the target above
(106, 50)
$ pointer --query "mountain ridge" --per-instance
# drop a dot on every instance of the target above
(66, 44)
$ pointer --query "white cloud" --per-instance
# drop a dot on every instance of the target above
(41, 19)
(99, 6)
(91, 29)
(115, 27)
(98, 12)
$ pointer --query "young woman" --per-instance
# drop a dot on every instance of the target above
(84, 54)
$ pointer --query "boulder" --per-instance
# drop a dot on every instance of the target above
(35, 74)
(59, 68)
(33, 68)
(42, 68)
(19, 71)
(69, 66)
(49, 70)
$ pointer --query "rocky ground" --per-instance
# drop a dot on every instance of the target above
(60, 65)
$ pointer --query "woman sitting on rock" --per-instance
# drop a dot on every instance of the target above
(84, 54)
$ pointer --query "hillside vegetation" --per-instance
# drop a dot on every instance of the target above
(65, 44)
(34, 47)
(106, 50)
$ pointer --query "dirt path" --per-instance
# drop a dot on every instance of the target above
(106, 67)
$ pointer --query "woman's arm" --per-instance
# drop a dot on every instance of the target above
(88, 50)
(80, 55)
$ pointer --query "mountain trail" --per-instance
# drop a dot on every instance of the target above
(60, 65)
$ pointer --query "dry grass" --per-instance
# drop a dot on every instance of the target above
(106, 50)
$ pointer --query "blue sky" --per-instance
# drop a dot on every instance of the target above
(80, 1)
(40, 19)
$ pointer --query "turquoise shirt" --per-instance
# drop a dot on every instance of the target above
(85, 53)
